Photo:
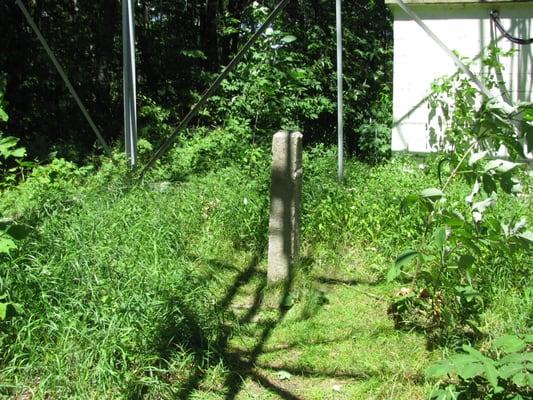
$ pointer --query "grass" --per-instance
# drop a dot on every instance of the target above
(158, 291)
(336, 342)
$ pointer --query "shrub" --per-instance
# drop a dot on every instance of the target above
(506, 372)
(468, 246)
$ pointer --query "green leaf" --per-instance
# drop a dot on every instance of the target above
(6, 244)
(466, 261)
(18, 232)
(198, 54)
(439, 237)
(7, 142)
(527, 235)
(19, 152)
(490, 372)
(453, 219)
(510, 344)
(529, 138)
(401, 260)
(475, 157)
(498, 389)
(469, 370)
(509, 370)
(489, 185)
(9, 309)
(288, 39)
(439, 369)
(405, 257)
(3, 116)
(3, 311)
(409, 200)
(393, 273)
(475, 353)
(520, 379)
(481, 206)
(501, 166)
(517, 358)
(26, 163)
(527, 113)
(432, 193)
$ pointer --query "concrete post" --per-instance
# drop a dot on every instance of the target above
(285, 205)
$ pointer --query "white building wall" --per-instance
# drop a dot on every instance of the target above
(465, 28)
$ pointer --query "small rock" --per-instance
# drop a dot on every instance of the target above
(337, 388)
(284, 375)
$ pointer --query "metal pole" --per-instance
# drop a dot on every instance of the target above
(129, 81)
(214, 86)
(64, 77)
(340, 103)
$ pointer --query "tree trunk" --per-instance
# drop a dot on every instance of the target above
(105, 29)
(209, 32)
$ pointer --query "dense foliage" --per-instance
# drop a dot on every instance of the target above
(470, 250)
(288, 79)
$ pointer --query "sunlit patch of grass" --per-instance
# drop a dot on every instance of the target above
(346, 347)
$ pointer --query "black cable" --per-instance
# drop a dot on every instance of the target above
(495, 16)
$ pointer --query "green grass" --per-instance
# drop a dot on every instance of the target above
(158, 291)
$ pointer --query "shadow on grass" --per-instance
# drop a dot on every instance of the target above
(310, 372)
(184, 328)
(348, 282)
(242, 364)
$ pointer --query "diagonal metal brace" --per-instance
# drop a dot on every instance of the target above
(214, 86)
(64, 76)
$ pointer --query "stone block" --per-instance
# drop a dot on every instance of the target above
(285, 205)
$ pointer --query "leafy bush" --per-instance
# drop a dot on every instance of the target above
(48, 189)
(465, 238)
(506, 372)
(9, 231)
(11, 156)
(153, 120)
(285, 81)
(273, 88)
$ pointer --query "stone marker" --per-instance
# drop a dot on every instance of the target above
(285, 199)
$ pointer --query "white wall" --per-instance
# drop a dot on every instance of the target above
(418, 60)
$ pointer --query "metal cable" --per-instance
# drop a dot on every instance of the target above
(495, 17)
(63, 75)
(214, 86)
(483, 89)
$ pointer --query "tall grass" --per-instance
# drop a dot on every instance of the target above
(121, 283)
(118, 282)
